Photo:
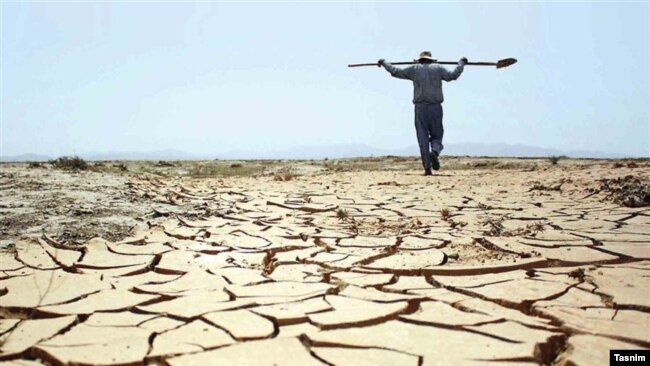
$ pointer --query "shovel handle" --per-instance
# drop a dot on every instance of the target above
(392, 63)
(500, 64)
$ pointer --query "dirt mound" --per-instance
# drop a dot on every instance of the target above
(627, 191)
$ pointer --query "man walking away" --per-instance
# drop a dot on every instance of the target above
(427, 79)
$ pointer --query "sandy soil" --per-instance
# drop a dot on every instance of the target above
(347, 262)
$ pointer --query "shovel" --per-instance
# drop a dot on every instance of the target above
(499, 64)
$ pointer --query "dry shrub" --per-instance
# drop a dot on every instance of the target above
(495, 227)
(70, 163)
(484, 164)
(541, 187)
(629, 191)
(577, 274)
(163, 163)
(555, 159)
(285, 175)
(121, 167)
(445, 214)
(216, 169)
(391, 183)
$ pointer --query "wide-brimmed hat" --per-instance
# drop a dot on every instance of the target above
(425, 55)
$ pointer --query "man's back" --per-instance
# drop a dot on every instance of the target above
(427, 80)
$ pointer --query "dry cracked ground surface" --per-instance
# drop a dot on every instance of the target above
(471, 266)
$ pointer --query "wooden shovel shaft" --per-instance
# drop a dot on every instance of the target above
(499, 64)
(438, 62)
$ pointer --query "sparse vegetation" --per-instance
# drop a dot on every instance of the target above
(485, 163)
(215, 169)
(34, 165)
(121, 167)
(163, 163)
(445, 214)
(629, 191)
(70, 163)
(495, 227)
(269, 264)
(541, 187)
(268, 167)
(285, 174)
(577, 274)
(555, 159)
(225, 168)
(340, 286)
(536, 227)
(391, 183)
(460, 163)
(457, 224)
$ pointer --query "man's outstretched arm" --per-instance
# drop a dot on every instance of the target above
(406, 73)
(453, 75)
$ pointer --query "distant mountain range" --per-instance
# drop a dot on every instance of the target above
(24, 157)
(458, 149)
(332, 152)
(478, 149)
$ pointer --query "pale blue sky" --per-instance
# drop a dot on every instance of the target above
(212, 77)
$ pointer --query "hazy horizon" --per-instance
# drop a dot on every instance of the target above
(331, 152)
(214, 77)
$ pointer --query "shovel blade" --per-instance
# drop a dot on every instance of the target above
(506, 62)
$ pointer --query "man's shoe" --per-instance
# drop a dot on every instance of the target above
(427, 172)
(435, 163)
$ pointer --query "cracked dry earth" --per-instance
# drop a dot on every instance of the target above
(471, 267)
